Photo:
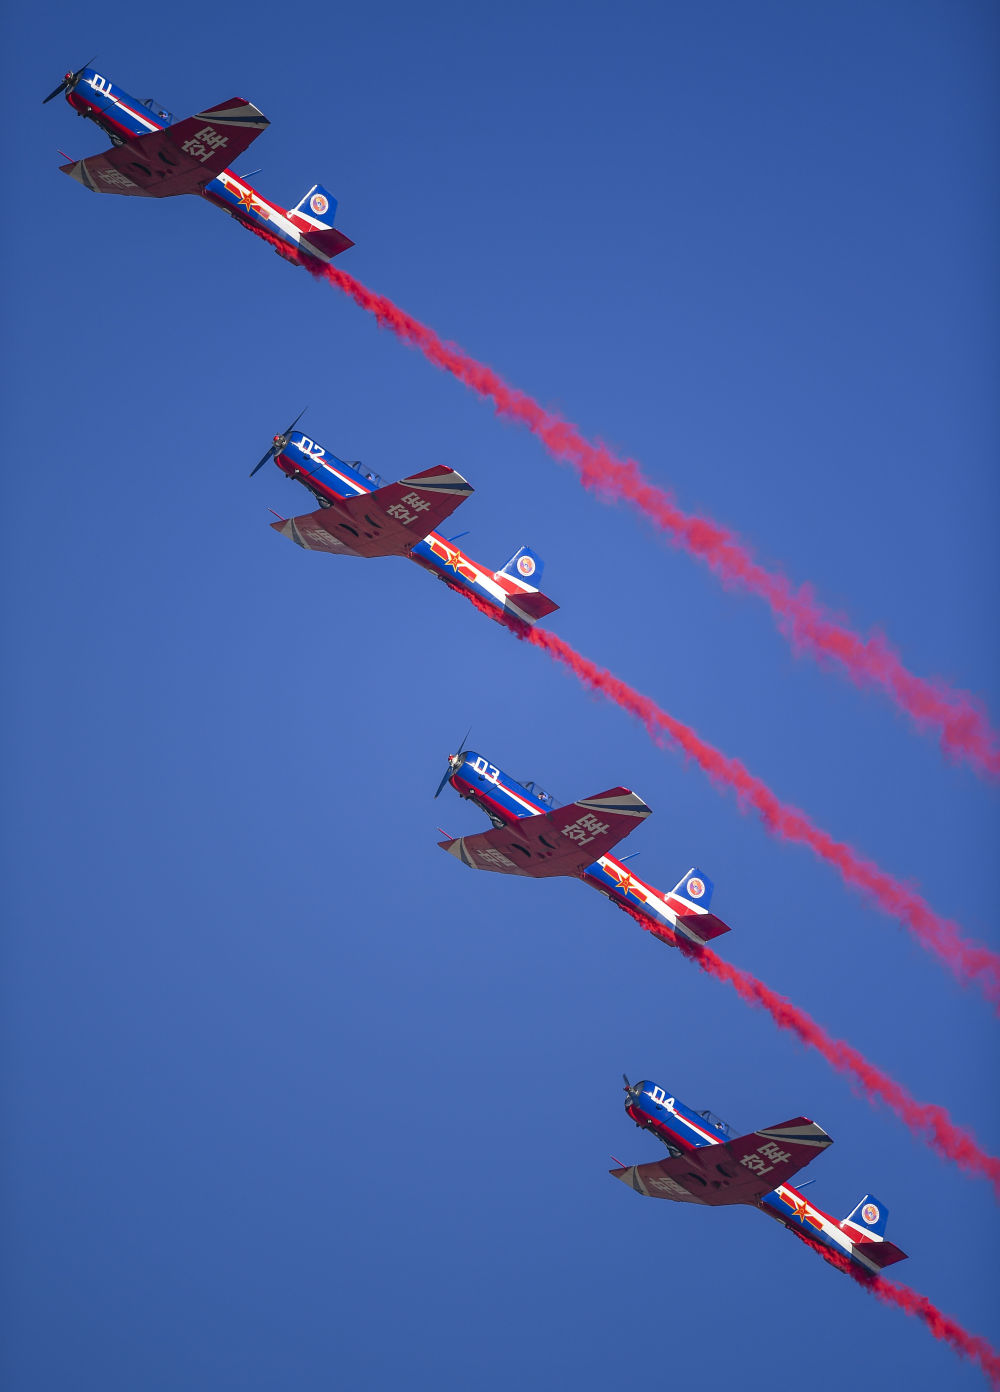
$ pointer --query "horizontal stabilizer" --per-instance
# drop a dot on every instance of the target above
(316, 208)
(704, 926)
(880, 1253)
(326, 242)
(531, 606)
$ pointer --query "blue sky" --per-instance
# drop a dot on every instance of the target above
(295, 1100)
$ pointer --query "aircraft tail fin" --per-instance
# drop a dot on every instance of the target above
(313, 216)
(524, 568)
(519, 579)
(865, 1226)
(690, 899)
(867, 1219)
(318, 207)
(695, 887)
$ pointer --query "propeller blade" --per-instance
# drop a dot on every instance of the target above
(269, 455)
(70, 80)
(276, 448)
(628, 1085)
(453, 761)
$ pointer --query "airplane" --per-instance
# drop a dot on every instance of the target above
(707, 1166)
(361, 515)
(533, 837)
(152, 156)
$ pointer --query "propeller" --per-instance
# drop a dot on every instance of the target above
(70, 80)
(453, 761)
(628, 1085)
(280, 442)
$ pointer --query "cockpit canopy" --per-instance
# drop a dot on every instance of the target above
(532, 787)
(160, 112)
(717, 1122)
(376, 480)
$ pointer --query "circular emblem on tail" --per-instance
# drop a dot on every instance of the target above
(695, 887)
(870, 1213)
(525, 566)
(319, 204)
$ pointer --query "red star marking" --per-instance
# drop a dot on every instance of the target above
(801, 1210)
(627, 885)
(245, 197)
(454, 560)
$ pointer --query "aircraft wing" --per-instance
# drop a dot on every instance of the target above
(388, 522)
(563, 842)
(739, 1171)
(179, 159)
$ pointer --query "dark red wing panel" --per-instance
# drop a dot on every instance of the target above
(735, 1172)
(881, 1253)
(180, 159)
(563, 842)
(388, 522)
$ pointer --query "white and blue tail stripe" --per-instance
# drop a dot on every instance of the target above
(868, 1218)
(695, 887)
(525, 567)
(318, 207)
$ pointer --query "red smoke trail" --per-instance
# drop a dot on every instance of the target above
(971, 1346)
(929, 1123)
(968, 961)
(964, 729)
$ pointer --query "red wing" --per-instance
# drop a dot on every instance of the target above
(739, 1171)
(180, 159)
(388, 522)
(563, 842)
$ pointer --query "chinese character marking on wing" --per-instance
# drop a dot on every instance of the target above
(584, 829)
(116, 178)
(204, 143)
(416, 502)
(491, 856)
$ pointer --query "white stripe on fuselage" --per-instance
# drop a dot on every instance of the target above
(484, 578)
(667, 1104)
(531, 809)
(652, 898)
(274, 214)
(827, 1225)
(117, 101)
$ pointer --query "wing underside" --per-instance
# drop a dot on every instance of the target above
(563, 842)
(178, 159)
(739, 1171)
(388, 522)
